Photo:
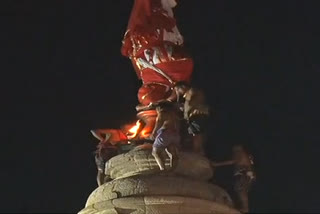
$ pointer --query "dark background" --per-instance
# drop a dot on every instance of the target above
(62, 74)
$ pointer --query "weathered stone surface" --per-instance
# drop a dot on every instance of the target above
(158, 185)
(140, 161)
(139, 187)
(158, 205)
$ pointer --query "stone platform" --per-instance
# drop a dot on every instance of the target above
(139, 187)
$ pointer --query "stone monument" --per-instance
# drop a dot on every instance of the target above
(135, 183)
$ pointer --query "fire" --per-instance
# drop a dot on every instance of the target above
(144, 133)
(134, 130)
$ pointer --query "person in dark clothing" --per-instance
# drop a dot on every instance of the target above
(244, 174)
(195, 112)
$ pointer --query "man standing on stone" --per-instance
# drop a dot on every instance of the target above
(195, 111)
(166, 134)
(243, 174)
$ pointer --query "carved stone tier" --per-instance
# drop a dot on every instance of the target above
(140, 161)
(158, 205)
(139, 187)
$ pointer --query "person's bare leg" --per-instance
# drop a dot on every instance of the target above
(100, 178)
(173, 155)
(198, 144)
(244, 202)
(156, 152)
(170, 156)
(163, 156)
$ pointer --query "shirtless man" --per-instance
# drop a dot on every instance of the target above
(243, 173)
(195, 112)
(103, 154)
(106, 149)
(166, 135)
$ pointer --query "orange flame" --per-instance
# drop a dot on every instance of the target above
(145, 133)
(134, 130)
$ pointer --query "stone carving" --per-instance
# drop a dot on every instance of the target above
(140, 161)
(158, 185)
(138, 186)
(158, 205)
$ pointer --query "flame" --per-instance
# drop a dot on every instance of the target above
(144, 133)
(134, 130)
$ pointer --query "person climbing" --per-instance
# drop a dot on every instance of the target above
(244, 174)
(166, 135)
(106, 149)
(195, 112)
(103, 153)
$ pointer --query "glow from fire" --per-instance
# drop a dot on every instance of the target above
(134, 130)
(144, 133)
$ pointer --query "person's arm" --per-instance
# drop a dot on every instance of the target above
(97, 134)
(173, 97)
(142, 108)
(223, 163)
(187, 103)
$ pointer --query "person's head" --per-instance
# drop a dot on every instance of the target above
(239, 149)
(181, 88)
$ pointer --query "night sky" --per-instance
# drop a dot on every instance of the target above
(62, 74)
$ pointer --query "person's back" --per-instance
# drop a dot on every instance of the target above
(194, 101)
(241, 159)
(170, 120)
(196, 113)
(195, 96)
